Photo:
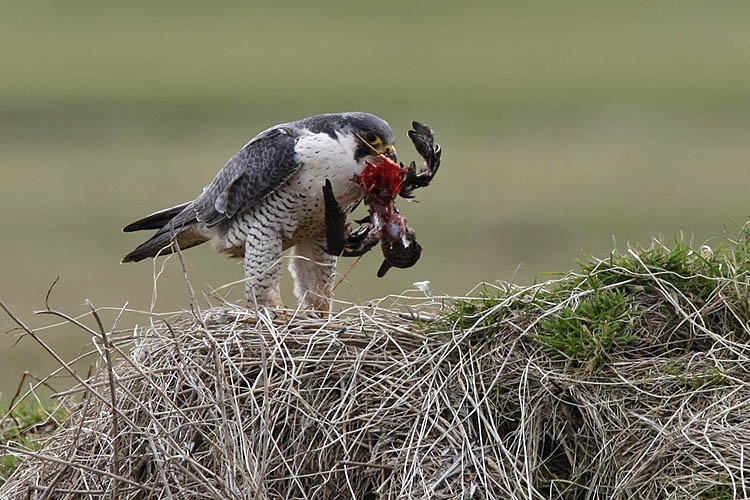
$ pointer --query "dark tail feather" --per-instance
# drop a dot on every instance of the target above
(162, 244)
(156, 220)
(181, 228)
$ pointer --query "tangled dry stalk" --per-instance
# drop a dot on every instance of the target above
(498, 395)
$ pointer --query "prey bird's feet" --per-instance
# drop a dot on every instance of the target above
(424, 142)
(361, 240)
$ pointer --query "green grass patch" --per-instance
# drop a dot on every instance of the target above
(624, 300)
(718, 492)
(588, 333)
(689, 271)
(705, 378)
(465, 313)
(25, 428)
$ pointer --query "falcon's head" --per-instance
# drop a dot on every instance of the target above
(372, 135)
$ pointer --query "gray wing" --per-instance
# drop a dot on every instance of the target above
(257, 170)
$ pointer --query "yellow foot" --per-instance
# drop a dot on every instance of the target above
(274, 308)
(319, 309)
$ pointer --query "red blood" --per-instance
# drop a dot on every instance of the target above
(382, 181)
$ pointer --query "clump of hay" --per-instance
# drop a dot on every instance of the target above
(628, 379)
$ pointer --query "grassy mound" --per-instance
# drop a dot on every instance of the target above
(626, 379)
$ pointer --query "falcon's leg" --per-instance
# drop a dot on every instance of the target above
(312, 268)
(262, 266)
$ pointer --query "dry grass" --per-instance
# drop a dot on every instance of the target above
(627, 379)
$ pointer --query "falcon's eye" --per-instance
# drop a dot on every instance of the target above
(371, 137)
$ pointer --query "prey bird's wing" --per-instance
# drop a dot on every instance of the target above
(335, 222)
(258, 169)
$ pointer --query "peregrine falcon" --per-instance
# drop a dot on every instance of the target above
(269, 197)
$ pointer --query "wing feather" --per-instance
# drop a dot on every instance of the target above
(258, 169)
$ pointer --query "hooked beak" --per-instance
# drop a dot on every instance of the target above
(390, 152)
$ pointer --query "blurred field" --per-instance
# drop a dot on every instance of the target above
(563, 126)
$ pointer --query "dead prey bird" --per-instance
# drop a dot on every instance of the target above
(383, 180)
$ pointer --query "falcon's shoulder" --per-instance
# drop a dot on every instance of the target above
(259, 168)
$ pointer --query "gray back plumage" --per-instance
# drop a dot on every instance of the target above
(259, 168)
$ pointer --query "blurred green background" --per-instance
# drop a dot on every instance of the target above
(564, 125)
